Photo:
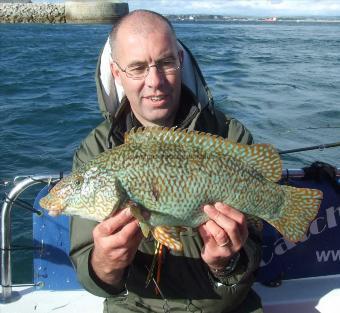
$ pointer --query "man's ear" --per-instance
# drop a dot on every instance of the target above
(115, 72)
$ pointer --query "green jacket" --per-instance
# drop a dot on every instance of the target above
(186, 281)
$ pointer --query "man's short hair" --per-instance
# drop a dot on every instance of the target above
(117, 25)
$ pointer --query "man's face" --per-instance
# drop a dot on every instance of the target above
(154, 99)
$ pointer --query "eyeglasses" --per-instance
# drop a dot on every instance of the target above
(167, 66)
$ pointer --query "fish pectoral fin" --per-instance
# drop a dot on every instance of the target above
(145, 228)
(169, 237)
(298, 212)
(136, 211)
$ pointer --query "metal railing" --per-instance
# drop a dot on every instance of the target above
(7, 295)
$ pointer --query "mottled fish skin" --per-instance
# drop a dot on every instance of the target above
(172, 172)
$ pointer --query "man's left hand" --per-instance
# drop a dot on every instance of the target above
(223, 235)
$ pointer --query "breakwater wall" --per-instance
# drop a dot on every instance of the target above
(76, 11)
(32, 13)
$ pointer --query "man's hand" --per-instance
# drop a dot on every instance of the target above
(223, 235)
(116, 241)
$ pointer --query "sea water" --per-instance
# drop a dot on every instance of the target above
(282, 80)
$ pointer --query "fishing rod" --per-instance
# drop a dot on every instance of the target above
(319, 147)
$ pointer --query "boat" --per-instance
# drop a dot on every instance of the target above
(293, 277)
(270, 19)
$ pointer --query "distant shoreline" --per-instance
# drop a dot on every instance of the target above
(273, 19)
(55, 13)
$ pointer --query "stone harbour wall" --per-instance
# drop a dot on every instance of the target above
(73, 11)
(32, 13)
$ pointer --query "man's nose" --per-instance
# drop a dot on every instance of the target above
(154, 78)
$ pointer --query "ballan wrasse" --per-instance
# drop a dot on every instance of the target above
(172, 172)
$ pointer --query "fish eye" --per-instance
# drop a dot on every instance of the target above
(79, 180)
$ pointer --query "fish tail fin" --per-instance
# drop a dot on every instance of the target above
(301, 207)
(169, 237)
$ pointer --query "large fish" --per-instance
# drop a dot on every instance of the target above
(172, 172)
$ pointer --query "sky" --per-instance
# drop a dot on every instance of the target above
(236, 7)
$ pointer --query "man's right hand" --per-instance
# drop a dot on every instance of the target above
(116, 241)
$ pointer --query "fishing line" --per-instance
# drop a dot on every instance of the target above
(312, 128)
(319, 147)
(321, 127)
(22, 285)
(166, 307)
(50, 182)
(23, 204)
(18, 247)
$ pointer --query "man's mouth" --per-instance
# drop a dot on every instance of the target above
(156, 98)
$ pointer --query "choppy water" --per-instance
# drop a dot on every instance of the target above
(282, 80)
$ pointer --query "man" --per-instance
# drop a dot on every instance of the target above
(215, 271)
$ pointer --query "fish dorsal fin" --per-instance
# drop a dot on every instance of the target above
(265, 159)
(145, 134)
(262, 157)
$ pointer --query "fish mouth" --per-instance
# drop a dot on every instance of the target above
(54, 212)
(53, 206)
